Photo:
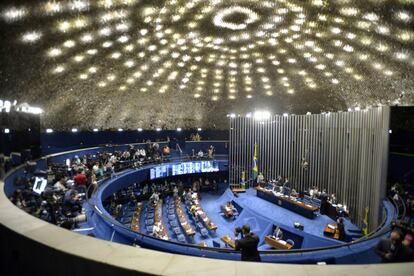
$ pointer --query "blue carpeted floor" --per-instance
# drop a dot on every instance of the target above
(261, 215)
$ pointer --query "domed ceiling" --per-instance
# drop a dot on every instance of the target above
(187, 63)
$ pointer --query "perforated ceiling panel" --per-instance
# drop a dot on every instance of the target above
(187, 63)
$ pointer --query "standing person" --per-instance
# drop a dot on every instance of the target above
(248, 245)
(80, 180)
(324, 203)
(340, 227)
(260, 179)
(286, 186)
(390, 250)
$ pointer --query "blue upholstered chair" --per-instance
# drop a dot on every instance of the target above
(150, 229)
(177, 230)
(216, 244)
(171, 217)
(204, 232)
(181, 238)
(174, 223)
(149, 222)
(199, 226)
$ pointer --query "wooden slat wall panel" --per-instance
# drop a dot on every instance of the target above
(347, 154)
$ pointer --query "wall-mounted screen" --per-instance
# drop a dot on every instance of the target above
(183, 168)
(159, 172)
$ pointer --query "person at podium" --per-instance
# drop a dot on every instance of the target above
(277, 233)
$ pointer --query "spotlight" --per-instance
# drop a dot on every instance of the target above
(139, 129)
(49, 130)
(179, 129)
(158, 129)
(308, 113)
(249, 115)
(120, 129)
(357, 108)
(74, 130)
(199, 129)
(261, 115)
(232, 115)
(6, 130)
(95, 130)
(285, 114)
(349, 109)
(389, 131)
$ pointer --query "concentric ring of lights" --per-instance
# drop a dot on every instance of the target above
(219, 19)
(293, 46)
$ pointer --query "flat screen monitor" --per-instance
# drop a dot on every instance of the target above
(39, 185)
(183, 168)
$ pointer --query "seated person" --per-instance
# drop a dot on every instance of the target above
(154, 198)
(333, 199)
(71, 201)
(210, 152)
(293, 193)
(407, 252)
(166, 151)
(193, 209)
(175, 192)
(275, 187)
(260, 179)
(390, 250)
(200, 154)
(60, 185)
(277, 233)
(157, 231)
(196, 186)
(229, 209)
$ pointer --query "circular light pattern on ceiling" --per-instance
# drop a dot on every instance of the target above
(221, 18)
(232, 50)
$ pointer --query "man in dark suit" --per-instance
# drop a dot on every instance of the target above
(324, 203)
(248, 245)
(340, 227)
(390, 250)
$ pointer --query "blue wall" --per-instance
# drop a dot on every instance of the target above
(64, 141)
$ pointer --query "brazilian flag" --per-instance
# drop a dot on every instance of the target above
(365, 223)
(255, 169)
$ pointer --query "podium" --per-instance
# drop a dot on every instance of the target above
(238, 188)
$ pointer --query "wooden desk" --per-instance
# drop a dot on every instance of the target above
(188, 230)
(228, 241)
(206, 221)
(278, 244)
(333, 233)
(238, 190)
(135, 224)
(203, 244)
(288, 203)
(211, 226)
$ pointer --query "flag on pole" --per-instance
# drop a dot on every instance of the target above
(255, 169)
(365, 223)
